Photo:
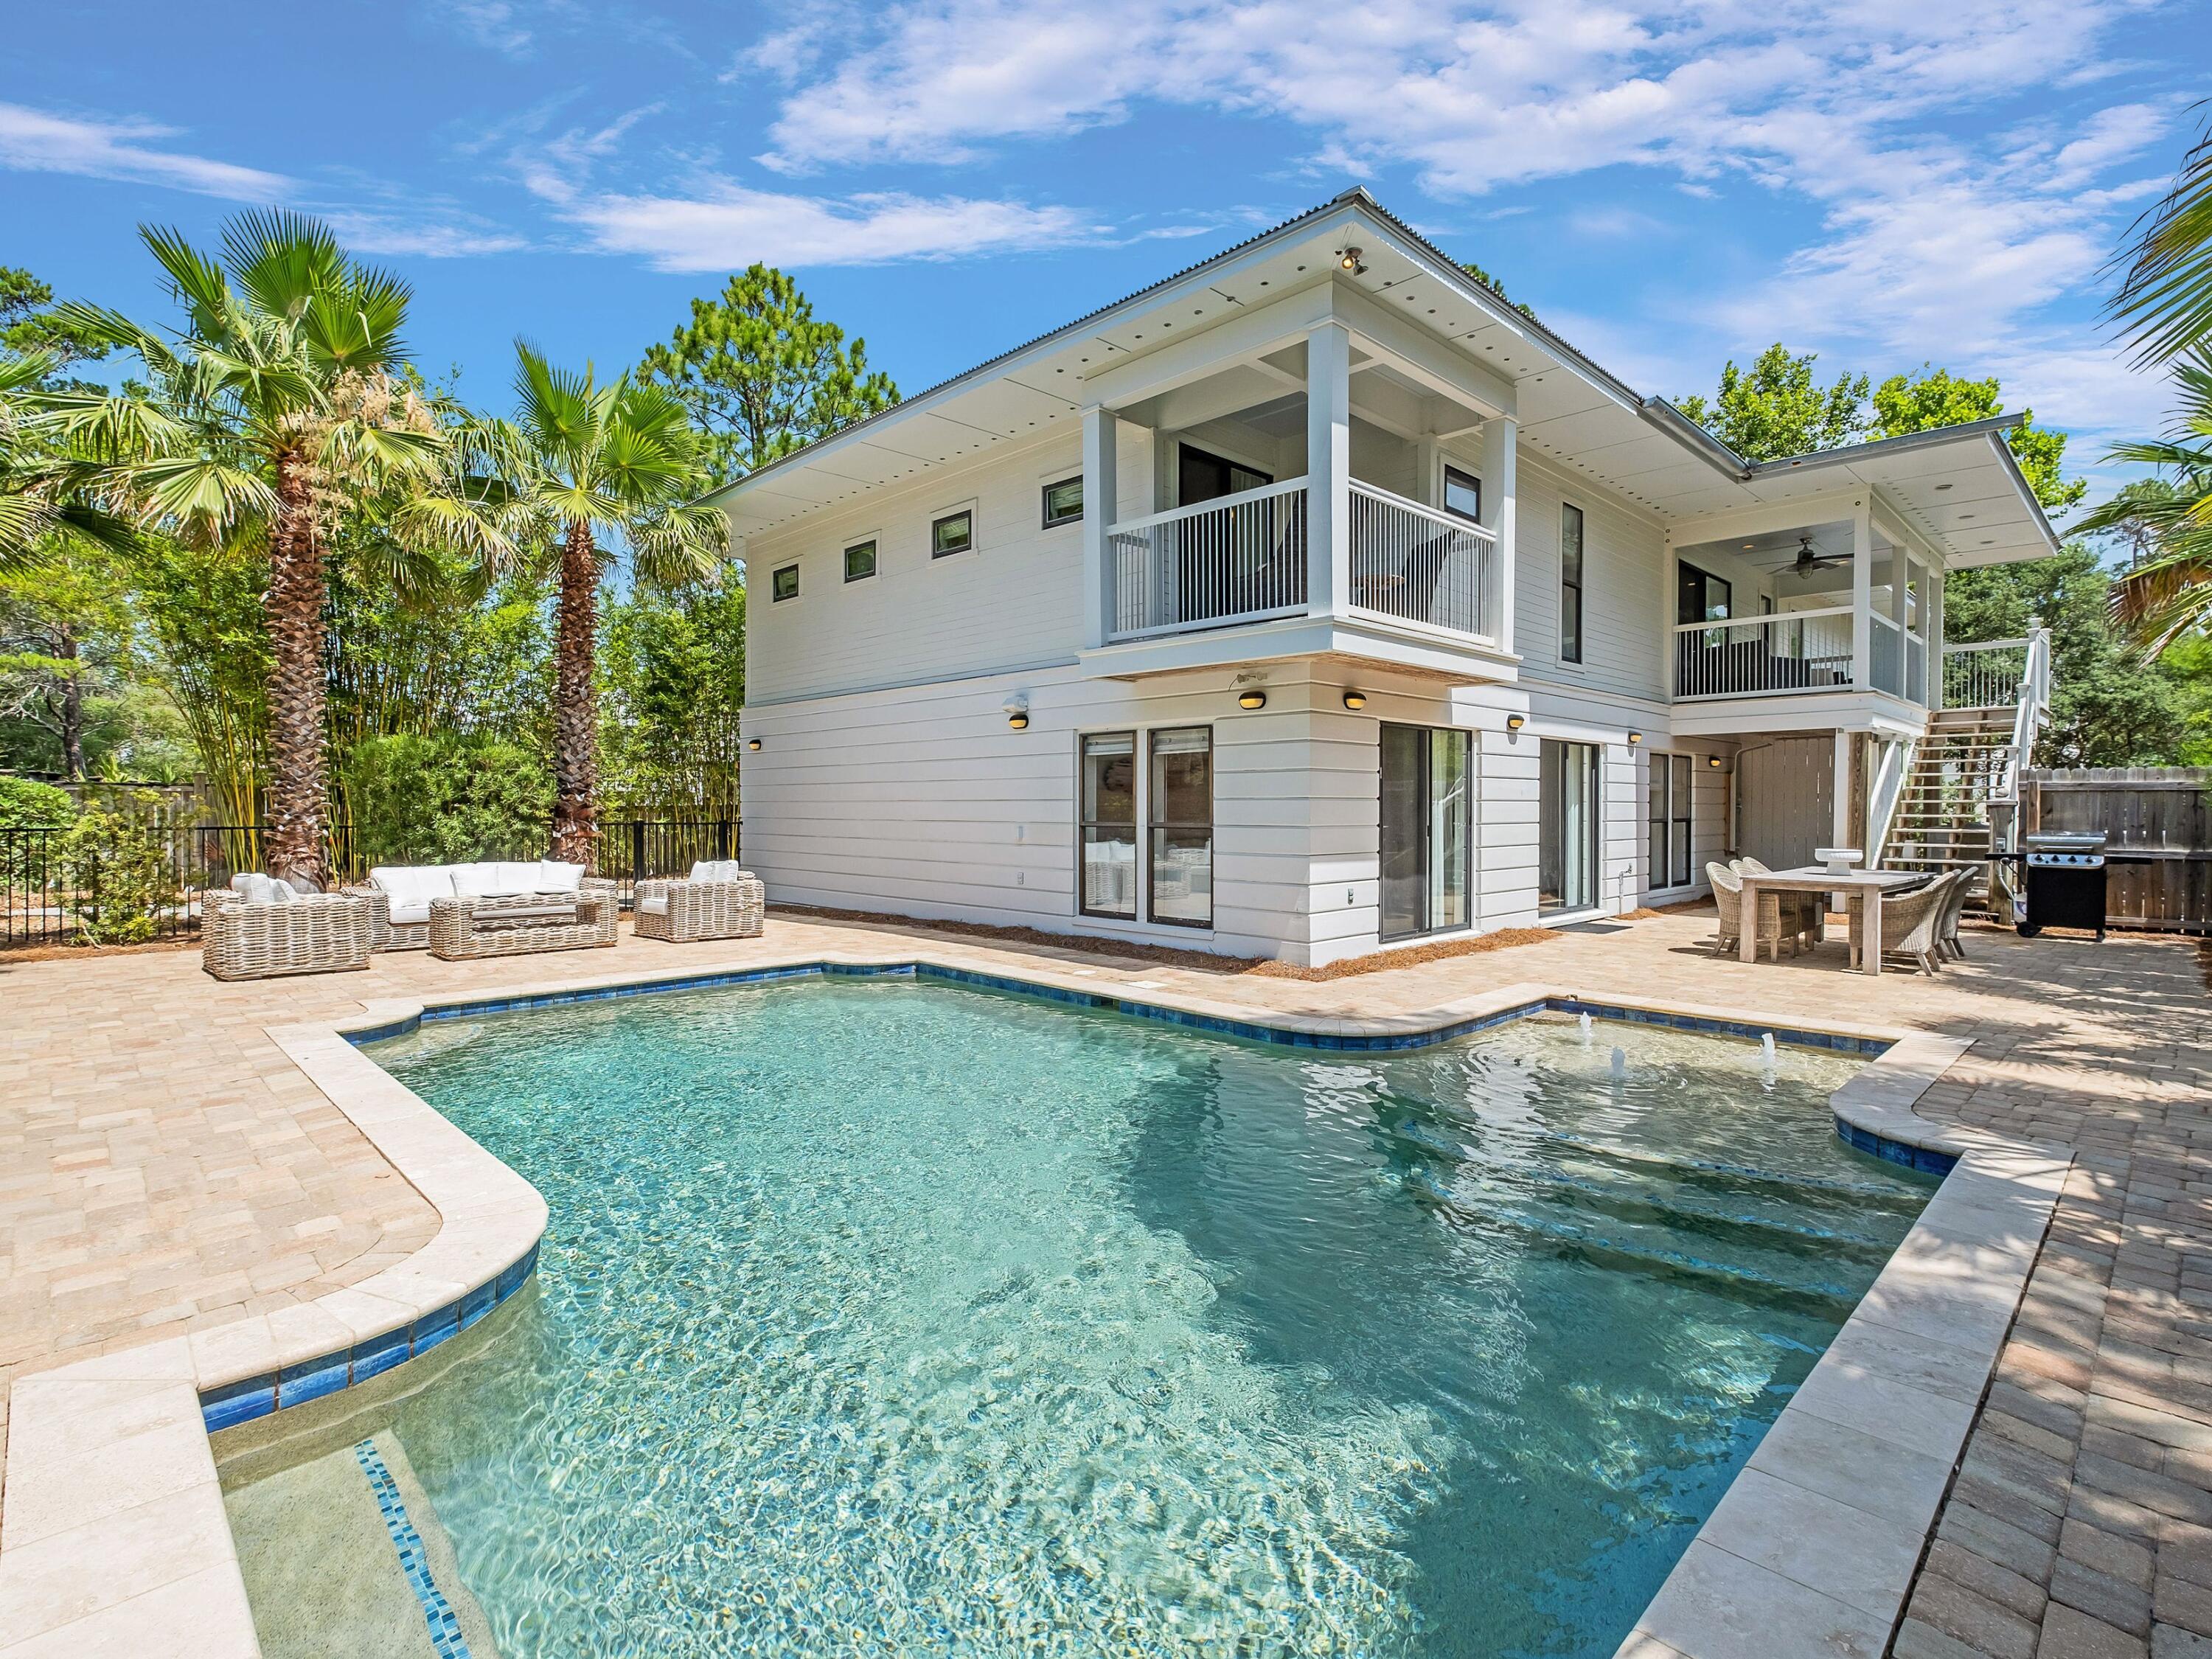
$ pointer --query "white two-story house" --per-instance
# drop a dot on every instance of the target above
(1313, 601)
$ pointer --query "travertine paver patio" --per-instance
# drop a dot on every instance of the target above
(163, 1166)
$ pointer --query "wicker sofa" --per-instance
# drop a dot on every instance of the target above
(718, 900)
(400, 894)
(245, 935)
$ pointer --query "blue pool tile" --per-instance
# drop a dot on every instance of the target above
(379, 1354)
(478, 1302)
(434, 1328)
(311, 1379)
(238, 1402)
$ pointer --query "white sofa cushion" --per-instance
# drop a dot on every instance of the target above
(654, 904)
(491, 880)
(716, 869)
(551, 876)
(258, 888)
(410, 887)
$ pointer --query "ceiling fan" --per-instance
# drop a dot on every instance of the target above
(1809, 562)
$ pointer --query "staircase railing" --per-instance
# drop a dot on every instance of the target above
(1889, 779)
(2031, 713)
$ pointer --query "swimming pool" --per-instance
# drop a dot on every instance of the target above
(878, 1317)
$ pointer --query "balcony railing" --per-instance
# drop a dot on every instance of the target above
(1984, 676)
(1748, 656)
(1414, 564)
(1235, 559)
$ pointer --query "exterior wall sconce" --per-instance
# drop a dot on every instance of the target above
(1515, 722)
(1713, 761)
(753, 743)
(1017, 712)
(1635, 737)
(1253, 699)
(1355, 700)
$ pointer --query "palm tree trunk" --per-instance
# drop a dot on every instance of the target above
(294, 610)
(575, 712)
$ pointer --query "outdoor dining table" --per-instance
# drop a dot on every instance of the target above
(1865, 888)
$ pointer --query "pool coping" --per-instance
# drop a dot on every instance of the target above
(114, 1532)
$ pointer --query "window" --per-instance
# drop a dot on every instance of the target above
(1700, 596)
(784, 584)
(1462, 494)
(953, 533)
(1570, 584)
(860, 561)
(1567, 826)
(1063, 502)
(1667, 854)
(1109, 824)
(1201, 477)
(1182, 826)
(1424, 818)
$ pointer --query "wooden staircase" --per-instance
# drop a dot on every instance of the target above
(1942, 817)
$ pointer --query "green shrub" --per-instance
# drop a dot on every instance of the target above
(447, 800)
(120, 874)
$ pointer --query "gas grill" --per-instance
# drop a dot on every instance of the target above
(2063, 883)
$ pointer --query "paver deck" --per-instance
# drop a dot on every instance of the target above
(163, 1166)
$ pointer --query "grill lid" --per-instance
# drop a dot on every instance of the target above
(2089, 842)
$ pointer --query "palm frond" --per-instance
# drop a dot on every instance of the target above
(209, 499)
(2165, 301)
(681, 544)
(197, 280)
(280, 260)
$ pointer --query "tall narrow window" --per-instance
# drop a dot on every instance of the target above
(1109, 824)
(1426, 809)
(1567, 817)
(1182, 826)
(1668, 855)
(1570, 584)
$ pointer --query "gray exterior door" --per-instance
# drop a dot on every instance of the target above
(1785, 799)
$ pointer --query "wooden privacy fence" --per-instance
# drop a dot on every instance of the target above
(2157, 825)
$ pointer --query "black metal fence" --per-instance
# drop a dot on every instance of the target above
(144, 881)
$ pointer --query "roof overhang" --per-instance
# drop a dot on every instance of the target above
(1570, 411)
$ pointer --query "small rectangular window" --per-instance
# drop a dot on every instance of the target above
(953, 533)
(1063, 502)
(1570, 584)
(1462, 495)
(1182, 826)
(1108, 826)
(784, 584)
(860, 561)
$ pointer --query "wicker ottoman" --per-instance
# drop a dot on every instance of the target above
(464, 929)
(313, 934)
(681, 911)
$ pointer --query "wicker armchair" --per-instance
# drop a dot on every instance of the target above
(465, 929)
(719, 900)
(1910, 923)
(1954, 907)
(312, 933)
(1805, 914)
(1728, 899)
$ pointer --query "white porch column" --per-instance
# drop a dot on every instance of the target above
(1329, 469)
(1841, 829)
(1501, 441)
(1101, 506)
(1862, 601)
(1932, 625)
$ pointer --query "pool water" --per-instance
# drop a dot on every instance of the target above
(878, 1317)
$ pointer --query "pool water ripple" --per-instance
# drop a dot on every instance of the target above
(879, 1318)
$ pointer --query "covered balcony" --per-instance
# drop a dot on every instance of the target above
(1324, 483)
(1835, 608)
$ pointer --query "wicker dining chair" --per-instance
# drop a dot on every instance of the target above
(1910, 925)
(1806, 913)
(1728, 899)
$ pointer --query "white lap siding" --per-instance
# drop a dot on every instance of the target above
(1624, 565)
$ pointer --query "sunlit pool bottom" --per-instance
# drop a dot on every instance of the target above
(878, 1317)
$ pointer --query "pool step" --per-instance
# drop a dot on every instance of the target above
(1568, 1242)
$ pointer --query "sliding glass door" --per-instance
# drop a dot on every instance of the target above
(1427, 812)
(1567, 827)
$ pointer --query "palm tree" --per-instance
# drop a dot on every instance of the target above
(2169, 593)
(273, 403)
(580, 466)
(45, 491)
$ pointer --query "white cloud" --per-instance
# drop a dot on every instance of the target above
(33, 141)
(431, 239)
(495, 24)
(724, 226)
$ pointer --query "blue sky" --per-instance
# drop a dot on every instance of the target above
(1886, 182)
